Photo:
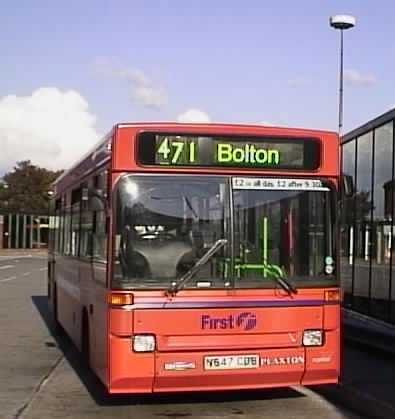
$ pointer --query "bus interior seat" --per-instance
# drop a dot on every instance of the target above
(155, 257)
(164, 256)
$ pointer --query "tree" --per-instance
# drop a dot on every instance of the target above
(25, 188)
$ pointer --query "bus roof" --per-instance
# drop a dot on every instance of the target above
(208, 125)
(100, 152)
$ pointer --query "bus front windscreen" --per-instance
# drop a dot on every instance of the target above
(268, 228)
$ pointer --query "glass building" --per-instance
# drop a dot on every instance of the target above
(367, 224)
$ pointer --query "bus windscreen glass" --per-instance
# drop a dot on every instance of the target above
(217, 151)
(272, 227)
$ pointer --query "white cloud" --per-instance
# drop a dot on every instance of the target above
(143, 90)
(149, 96)
(194, 115)
(355, 78)
(52, 128)
(104, 68)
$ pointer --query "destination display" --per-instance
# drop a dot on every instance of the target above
(278, 184)
(253, 152)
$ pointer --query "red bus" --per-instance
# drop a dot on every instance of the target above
(200, 257)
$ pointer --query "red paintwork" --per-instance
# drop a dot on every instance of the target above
(81, 286)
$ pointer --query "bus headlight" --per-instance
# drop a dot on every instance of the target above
(143, 343)
(313, 337)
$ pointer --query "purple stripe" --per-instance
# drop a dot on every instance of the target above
(233, 304)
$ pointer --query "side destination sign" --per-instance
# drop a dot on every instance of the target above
(211, 151)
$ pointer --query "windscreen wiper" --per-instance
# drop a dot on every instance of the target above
(276, 273)
(285, 285)
(176, 286)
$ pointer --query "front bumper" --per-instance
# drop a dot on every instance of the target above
(184, 371)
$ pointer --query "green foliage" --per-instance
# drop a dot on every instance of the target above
(25, 188)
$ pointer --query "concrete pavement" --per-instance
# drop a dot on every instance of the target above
(65, 396)
(28, 351)
(41, 376)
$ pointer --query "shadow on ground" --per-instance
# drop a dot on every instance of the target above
(99, 394)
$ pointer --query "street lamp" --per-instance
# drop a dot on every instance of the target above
(341, 22)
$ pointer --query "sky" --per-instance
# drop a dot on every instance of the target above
(70, 70)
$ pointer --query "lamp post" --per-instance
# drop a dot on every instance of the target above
(341, 22)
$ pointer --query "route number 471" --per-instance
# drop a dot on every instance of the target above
(177, 152)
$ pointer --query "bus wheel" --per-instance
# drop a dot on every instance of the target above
(85, 347)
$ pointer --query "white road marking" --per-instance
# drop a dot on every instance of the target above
(43, 269)
(26, 274)
(7, 266)
(8, 279)
(16, 256)
(13, 257)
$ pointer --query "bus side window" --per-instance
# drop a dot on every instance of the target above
(56, 226)
(86, 231)
(75, 222)
(99, 218)
(99, 235)
(66, 231)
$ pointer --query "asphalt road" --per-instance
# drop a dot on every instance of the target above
(41, 376)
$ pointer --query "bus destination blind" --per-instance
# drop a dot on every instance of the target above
(211, 151)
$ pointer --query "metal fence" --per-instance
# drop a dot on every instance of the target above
(23, 231)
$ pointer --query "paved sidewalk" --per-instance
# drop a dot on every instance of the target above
(369, 331)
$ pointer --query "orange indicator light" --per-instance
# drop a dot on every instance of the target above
(118, 299)
(332, 295)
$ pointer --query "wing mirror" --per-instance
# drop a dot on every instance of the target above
(347, 186)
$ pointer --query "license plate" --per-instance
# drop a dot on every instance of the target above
(231, 362)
